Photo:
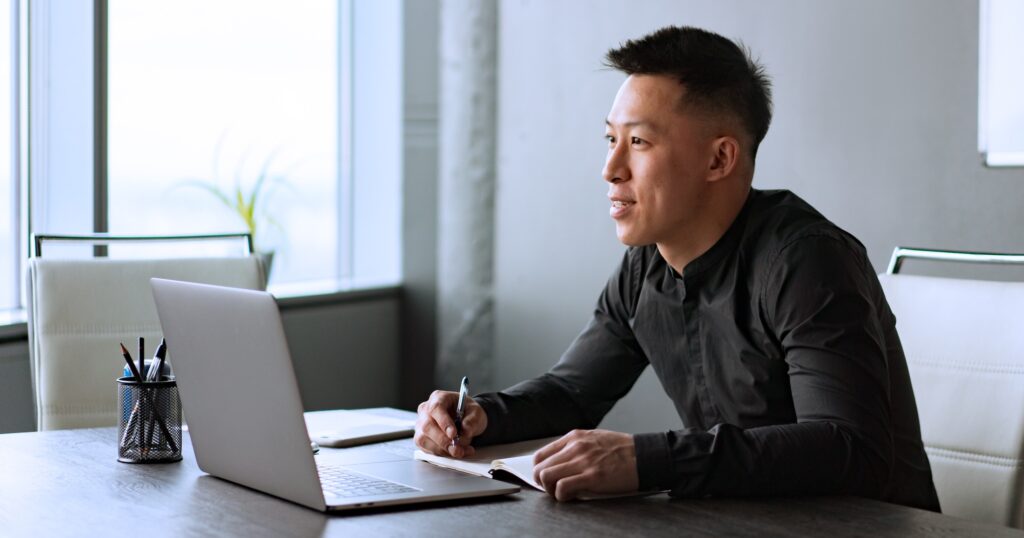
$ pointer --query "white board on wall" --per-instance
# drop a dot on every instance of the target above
(1001, 83)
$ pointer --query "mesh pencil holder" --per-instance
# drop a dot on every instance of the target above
(149, 429)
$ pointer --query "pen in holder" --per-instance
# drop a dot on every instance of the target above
(149, 430)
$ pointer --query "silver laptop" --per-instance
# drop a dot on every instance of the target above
(239, 394)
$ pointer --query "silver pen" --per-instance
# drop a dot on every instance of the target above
(460, 408)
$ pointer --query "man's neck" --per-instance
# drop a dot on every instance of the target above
(699, 239)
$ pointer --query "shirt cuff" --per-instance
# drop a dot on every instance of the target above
(653, 460)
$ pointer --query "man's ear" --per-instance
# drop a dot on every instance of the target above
(725, 155)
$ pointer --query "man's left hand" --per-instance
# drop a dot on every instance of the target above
(587, 461)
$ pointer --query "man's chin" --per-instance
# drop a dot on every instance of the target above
(630, 240)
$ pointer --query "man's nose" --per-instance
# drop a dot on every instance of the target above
(616, 167)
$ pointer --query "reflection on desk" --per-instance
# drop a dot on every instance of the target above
(69, 483)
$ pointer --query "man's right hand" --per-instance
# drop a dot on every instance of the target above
(435, 425)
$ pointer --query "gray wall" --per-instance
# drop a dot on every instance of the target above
(345, 351)
(16, 412)
(875, 125)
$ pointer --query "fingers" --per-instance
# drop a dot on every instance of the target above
(474, 422)
(441, 407)
(556, 463)
(429, 436)
(571, 487)
(459, 451)
(429, 445)
(435, 425)
(567, 481)
(553, 447)
(549, 477)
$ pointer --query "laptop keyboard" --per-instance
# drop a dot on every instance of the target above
(340, 482)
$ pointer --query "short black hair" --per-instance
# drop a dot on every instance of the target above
(719, 76)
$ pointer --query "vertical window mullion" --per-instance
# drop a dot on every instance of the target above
(99, 119)
(345, 167)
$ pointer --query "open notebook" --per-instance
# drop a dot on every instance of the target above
(515, 459)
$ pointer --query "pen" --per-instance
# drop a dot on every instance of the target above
(460, 408)
(162, 352)
(138, 402)
(142, 357)
(154, 375)
(154, 368)
(142, 372)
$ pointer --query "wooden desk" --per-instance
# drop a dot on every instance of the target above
(69, 483)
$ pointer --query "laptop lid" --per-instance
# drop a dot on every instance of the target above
(238, 388)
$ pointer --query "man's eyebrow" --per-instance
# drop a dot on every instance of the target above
(637, 123)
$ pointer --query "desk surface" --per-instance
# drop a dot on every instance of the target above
(63, 483)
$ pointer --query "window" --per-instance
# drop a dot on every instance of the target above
(205, 99)
(9, 199)
(1001, 83)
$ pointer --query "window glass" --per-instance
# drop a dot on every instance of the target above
(209, 101)
(9, 283)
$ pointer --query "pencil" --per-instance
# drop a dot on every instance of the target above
(138, 402)
(131, 363)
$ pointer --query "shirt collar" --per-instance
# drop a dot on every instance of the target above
(725, 244)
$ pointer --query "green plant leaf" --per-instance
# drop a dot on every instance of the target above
(256, 188)
(210, 188)
(250, 205)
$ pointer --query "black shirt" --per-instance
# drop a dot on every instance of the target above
(778, 350)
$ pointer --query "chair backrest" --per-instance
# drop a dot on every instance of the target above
(964, 343)
(79, 310)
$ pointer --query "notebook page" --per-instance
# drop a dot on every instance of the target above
(475, 466)
(482, 461)
(521, 467)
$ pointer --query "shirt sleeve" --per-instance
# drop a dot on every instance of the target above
(820, 301)
(600, 367)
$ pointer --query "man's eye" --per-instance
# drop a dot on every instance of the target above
(610, 139)
(636, 141)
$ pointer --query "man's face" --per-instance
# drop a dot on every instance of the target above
(658, 156)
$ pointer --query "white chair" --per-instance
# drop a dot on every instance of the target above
(80, 309)
(964, 343)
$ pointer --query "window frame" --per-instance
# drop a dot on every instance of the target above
(15, 201)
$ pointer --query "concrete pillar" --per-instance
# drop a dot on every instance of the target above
(466, 192)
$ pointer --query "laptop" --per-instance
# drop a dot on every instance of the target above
(239, 394)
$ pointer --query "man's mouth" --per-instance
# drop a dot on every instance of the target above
(620, 208)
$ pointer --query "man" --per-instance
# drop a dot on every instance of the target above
(764, 322)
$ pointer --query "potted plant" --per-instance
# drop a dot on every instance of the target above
(250, 204)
